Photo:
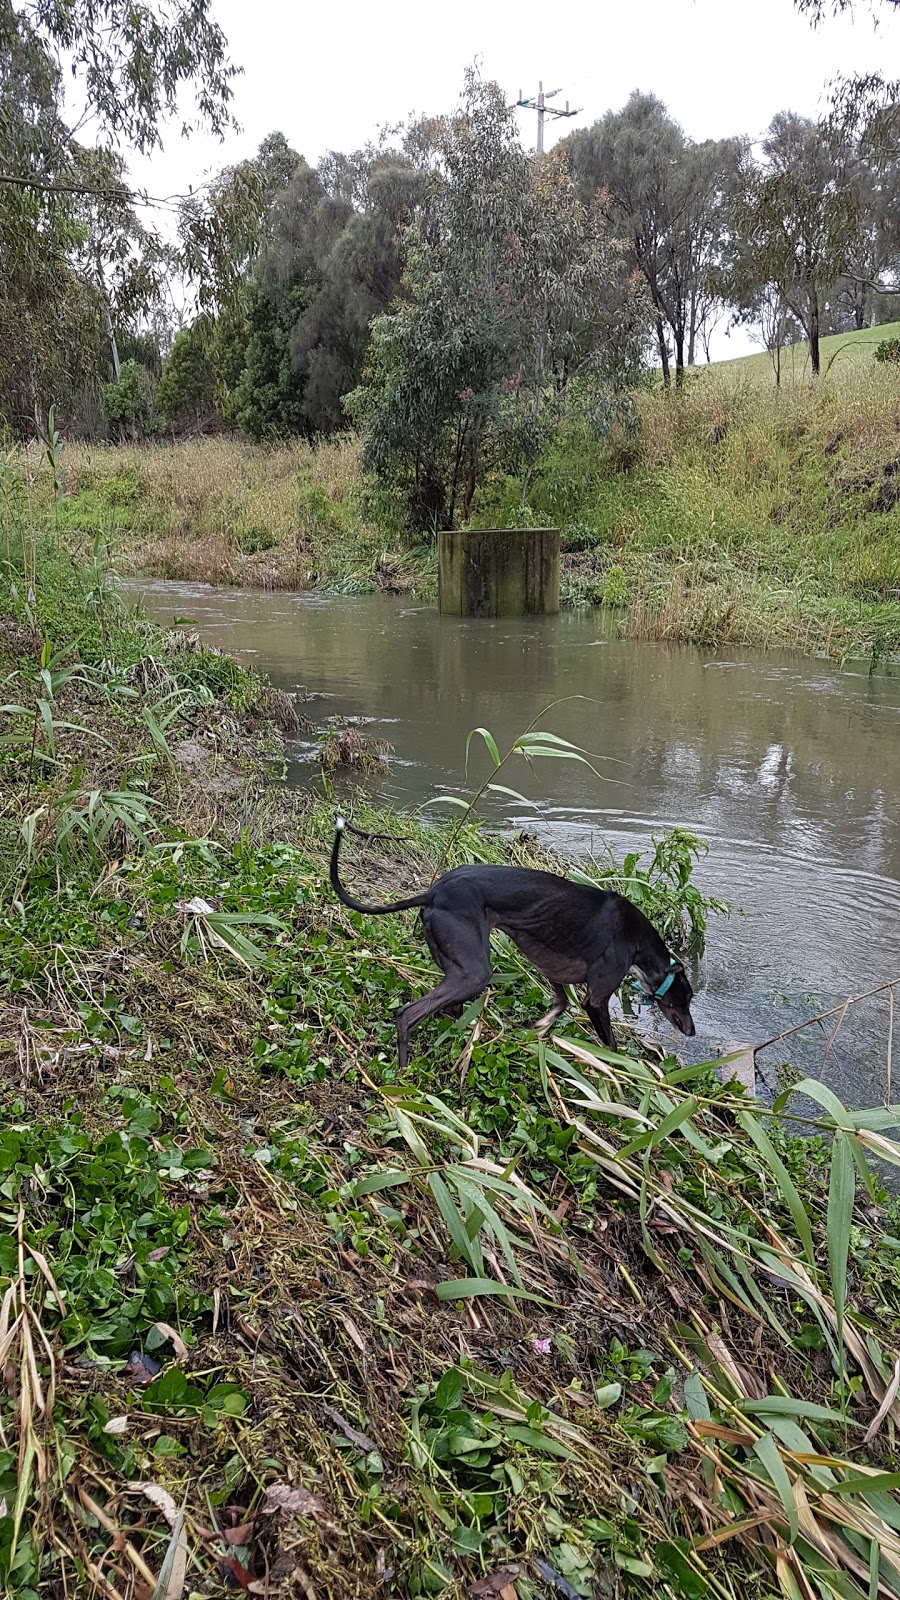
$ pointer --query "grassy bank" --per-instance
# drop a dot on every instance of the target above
(536, 1321)
(736, 514)
(224, 511)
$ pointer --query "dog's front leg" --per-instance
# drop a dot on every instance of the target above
(598, 1011)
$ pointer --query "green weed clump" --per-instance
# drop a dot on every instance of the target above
(888, 350)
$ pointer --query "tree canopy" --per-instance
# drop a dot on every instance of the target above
(512, 287)
(668, 198)
(444, 290)
(76, 260)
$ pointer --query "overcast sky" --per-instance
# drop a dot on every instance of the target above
(330, 75)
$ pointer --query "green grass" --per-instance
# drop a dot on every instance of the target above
(733, 514)
(840, 354)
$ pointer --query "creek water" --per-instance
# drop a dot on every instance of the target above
(789, 768)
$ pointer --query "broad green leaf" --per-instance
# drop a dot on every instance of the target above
(645, 1231)
(489, 740)
(695, 1399)
(448, 1393)
(609, 1108)
(685, 1580)
(719, 1269)
(468, 1248)
(885, 1504)
(825, 1097)
(538, 1441)
(876, 1119)
(841, 1194)
(671, 1123)
(788, 1433)
(468, 1288)
(522, 1199)
(226, 934)
(260, 919)
(789, 1193)
(447, 800)
(409, 1132)
(49, 725)
(607, 1395)
(866, 1175)
(452, 1117)
(492, 1221)
(545, 750)
(701, 1069)
(787, 1406)
(689, 1132)
(768, 1453)
(540, 737)
(878, 1482)
(500, 788)
(376, 1181)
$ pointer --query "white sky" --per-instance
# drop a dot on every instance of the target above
(329, 76)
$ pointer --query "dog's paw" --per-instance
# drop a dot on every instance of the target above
(544, 1024)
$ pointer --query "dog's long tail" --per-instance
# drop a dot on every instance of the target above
(356, 905)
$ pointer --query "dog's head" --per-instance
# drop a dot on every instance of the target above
(674, 996)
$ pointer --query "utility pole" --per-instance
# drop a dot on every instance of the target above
(543, 110)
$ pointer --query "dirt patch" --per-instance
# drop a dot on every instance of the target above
(887, 495)
(201, 765)
(341, 1109)
(17, 640)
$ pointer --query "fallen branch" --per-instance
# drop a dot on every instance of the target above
(831, 1012)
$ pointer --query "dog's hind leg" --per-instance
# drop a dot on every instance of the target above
(463, 950)
(456, 1010)
(560, 1004)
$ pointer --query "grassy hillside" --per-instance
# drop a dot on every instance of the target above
(734, 514)
(840, 354)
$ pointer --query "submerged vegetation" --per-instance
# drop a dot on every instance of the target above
(538, 1319)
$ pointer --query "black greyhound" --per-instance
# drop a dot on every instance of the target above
(570, 931)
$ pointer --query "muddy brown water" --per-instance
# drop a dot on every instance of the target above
(789, 768)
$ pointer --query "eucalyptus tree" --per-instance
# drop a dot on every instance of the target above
(130, 66)
(797, 217)
(668, 199)
(512, 286)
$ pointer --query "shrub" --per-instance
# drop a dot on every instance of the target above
(615, 588)
(888, 350)
(186, 390)
(127, 404)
